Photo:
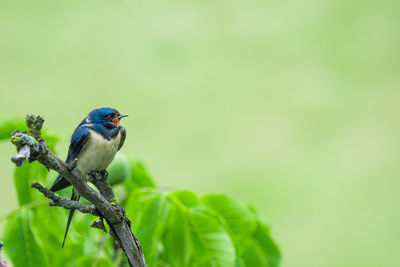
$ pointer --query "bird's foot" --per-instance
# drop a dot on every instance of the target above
(94, 176)
(104, 174)
(98, 175)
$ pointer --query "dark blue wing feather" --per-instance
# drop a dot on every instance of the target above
(123, 136)
(78, 140)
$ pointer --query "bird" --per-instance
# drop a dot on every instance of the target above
(92, 147)
(3, 263)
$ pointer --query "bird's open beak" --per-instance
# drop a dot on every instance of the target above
(121, 116)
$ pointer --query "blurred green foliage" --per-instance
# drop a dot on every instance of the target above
(174, 228)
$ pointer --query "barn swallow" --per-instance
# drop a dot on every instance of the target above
(93, 145)
(3, 263)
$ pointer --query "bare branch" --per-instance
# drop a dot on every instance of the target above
(31, 146)
(58, 201)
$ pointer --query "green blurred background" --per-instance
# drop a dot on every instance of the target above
(291, 106)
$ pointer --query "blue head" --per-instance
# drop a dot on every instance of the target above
(107, 116)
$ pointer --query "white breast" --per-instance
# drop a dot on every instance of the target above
(97, 153)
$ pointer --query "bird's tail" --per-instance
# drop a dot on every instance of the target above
(59, 183)
(75, 196)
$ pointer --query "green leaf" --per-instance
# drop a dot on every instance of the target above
(253, 254)
(7, 126)
(259, 249)
(147, 211)
(176, 236)
(188, 198)
(52, 236)
(252, 241)
(239, 262)
(88, 261)
(262, 237)
(23, 176)
(211, 242)
(22, 247)
(139, 178)
(240, 220)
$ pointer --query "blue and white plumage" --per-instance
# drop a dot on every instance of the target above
(93, 144)
(98, 152)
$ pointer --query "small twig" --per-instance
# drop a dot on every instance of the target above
(58, 201)
(100, 246)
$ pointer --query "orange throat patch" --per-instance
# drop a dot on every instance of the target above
(115, 122)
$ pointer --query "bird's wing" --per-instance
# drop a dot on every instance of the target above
(78, 140)
(123, 136)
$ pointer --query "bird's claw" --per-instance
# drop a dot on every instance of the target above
(98, 175)
(104, 174)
